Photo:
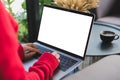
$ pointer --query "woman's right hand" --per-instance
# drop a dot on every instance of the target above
(56, 55)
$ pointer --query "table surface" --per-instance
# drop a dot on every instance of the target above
(95, 45)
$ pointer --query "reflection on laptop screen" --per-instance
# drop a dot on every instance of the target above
(65, 30)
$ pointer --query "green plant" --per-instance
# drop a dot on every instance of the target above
(21, 18)
(8, 5)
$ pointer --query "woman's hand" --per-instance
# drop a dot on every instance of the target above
(56, 55)
(31, 50)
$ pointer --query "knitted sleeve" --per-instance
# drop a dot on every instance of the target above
(11, 66)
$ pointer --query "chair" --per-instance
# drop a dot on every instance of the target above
(107, 68)
(109, 11)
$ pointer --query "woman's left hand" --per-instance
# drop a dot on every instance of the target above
(31, 50)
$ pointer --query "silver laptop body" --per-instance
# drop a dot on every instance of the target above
(66, 32)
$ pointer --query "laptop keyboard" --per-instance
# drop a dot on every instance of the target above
(65, 62)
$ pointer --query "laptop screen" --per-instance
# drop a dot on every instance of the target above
(65, 29)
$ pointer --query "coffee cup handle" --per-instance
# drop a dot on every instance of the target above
(116, 37)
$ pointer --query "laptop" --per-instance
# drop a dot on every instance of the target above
(66, 32)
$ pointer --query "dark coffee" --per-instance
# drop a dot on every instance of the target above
(108, 36)
(108, 33)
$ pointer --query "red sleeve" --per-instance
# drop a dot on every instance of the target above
(21, 52)
(11, 67)
(44, 67)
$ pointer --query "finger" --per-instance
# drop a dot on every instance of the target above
(32, 45)
(29, 44)
(32, 49)
(30, 54)
(56, 55)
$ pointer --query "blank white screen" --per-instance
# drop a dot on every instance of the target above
(65, 30)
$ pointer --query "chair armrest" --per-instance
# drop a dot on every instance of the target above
(107, 68)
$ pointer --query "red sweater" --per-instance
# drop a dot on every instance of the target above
(11, 67)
